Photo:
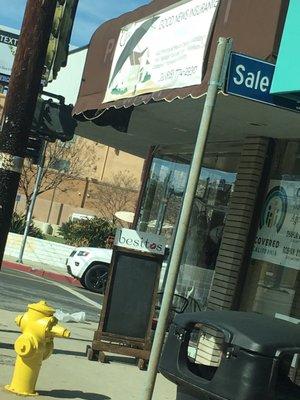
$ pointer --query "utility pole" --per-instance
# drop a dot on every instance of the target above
(24, 86)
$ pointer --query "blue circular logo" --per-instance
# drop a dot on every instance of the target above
(274, 209)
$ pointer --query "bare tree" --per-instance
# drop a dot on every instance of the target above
(118, 195)
(64, 163)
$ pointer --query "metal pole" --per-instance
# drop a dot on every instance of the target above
(104, 163)
(51, 205)
(86, 188)
(37, 185)
(185, 217)
(20, 104)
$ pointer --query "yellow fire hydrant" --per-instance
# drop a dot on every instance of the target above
(38, 327)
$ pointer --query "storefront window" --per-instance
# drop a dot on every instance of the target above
(165, 188)
(161, 207)
(273, 281)
(205, 232)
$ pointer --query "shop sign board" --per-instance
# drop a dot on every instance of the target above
(252, 78)
(140, 241)
(8, 46)
(164, 51)
(278, 236)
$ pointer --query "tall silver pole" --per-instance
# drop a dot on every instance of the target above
(185, 217)
(37, 184)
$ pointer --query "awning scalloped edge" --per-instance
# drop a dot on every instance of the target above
(136, 102)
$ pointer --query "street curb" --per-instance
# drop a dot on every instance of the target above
(53, 276)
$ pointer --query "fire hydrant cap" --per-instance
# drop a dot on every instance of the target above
(42, 307)
(24, 346)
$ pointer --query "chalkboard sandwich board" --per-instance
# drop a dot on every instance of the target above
(130, 296)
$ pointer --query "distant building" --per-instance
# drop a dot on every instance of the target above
(102, 166)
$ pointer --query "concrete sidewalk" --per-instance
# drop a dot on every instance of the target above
(67, 374)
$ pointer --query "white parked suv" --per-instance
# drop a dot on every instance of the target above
(90, 266)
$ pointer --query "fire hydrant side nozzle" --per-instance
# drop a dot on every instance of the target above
(60, 331)
(38, 327)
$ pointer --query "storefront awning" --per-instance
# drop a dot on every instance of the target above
(100, 57)
(286, 81)
(252, 24)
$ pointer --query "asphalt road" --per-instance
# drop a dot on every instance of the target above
(17, 289)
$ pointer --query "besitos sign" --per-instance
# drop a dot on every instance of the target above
(278, 236)
(165, 51)
(140, 241)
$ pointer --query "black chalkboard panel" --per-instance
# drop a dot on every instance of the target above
(130, 297)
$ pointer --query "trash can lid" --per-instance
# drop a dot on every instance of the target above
(255, 332)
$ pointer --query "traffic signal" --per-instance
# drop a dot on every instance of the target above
(58, 122)
(34, 148)
(58, 48)
(53, 120)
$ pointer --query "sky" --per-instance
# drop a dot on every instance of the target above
(90, 15)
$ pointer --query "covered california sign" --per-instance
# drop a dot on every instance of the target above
(8, 46)
(278, 236)
(163, 51)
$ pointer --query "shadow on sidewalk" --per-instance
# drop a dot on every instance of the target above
(69, 352)
(110, 358)
(73, 394)
(10, 346)
(19, 333)
(122, 360)
(10, 331)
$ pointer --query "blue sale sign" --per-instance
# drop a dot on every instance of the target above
(251, 78)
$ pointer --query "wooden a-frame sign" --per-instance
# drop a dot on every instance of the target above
(128, 306)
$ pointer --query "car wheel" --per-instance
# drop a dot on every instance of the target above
(95, 278)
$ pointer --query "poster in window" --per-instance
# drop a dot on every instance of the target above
(278, 236)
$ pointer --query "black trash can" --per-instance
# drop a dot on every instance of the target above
(256, 358)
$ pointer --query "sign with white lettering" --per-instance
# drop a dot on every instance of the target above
(164, 51)
(278, 235)
(140, 241)
(251, 78)
(8, 46)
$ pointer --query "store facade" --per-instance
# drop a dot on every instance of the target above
(242, 250)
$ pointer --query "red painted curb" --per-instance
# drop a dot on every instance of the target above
(53, 276)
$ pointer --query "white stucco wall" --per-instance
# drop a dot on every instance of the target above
(39, 251)
(68, 79)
